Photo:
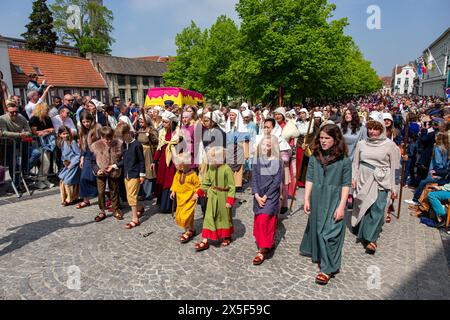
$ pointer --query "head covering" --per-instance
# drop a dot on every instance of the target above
(266, 113)
(305, 111)
(247, 113)
(169, 116)
(98, 104)
(292, 114)
(245, 105)
(218, 118)
(318, 114)
(388, 116)
(200, 112)
(239, 123)
(168, 103)
(377, 116)
(160, 110)
(281, 111)
(187, 115)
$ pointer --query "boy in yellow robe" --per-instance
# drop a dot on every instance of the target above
(185, 187)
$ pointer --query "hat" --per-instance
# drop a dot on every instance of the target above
(247, 113)
(168, 103)
(169, 116)
(281, 111)
(318, 114)
(388, 116)
(377, 116)
(98, 104)
(305, 111)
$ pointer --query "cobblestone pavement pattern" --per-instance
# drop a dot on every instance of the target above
(40, 242)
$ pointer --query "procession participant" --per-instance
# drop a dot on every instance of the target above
(107, 151)
(289, 132)
(156, 118)
(327, 187)
(219, 186)
(133, 166)
(187, 144)
(267, 177)
(148, 137)
(302, 157)
(237, 142)
(70, 174)
(374, 165)
(252, 130)
(94, 108)
(89, 133)
(185, 187)
(169, 137)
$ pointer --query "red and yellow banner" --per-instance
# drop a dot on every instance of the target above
(179, 96)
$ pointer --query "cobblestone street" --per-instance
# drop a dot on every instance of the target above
(40, 241)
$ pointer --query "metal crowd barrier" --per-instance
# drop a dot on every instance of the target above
(20, 162)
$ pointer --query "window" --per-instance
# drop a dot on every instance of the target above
(121, 80)
(67, 92)
(18, 69)
(399, 81)
(144, 94)
(406, 82)
(134, 95)
(122, 95)
(146, 82)
(98, 94)
(85, 93)
(157, 82)
(133, 81)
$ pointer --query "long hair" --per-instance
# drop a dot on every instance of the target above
(87, 134)
(339, 148)
(59, 140)
(355, 123)
(275, 151)
(443, 143)
(41, 111)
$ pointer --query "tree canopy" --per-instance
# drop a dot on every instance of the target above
(91, 27)
(40, 35)
(292, 43)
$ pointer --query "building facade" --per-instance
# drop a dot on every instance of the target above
(434, 82)
(387, 83)
(67, 74)
(403, 79)
(129, 78)
(4, 62)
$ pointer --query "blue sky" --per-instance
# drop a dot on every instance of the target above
(149, 27)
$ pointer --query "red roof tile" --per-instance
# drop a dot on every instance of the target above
(58, 70)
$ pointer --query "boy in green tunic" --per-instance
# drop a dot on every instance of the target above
(219, 186)
(326, 193)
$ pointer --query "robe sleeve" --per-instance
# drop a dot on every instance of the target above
(231, 200)
(75, 161)
(205, 185)
(394, 158)
(175, 183)
(310, 172)
(277, 179)
(255, 174)
(347, 174)
(356, 160)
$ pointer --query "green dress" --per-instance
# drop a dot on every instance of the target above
(220, 188)
(324, 238)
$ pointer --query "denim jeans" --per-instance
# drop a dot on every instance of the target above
(421, 187)
(436, 198)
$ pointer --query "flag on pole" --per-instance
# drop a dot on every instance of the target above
(419, 67)
(423, 65)
(430, 60)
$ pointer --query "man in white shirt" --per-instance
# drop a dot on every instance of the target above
(63, 119)
(34, 100)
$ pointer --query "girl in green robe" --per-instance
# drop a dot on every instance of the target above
(328, 184)
(218, 185)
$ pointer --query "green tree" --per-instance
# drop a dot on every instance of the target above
(185, 70)
(40, 35)
(88, 28)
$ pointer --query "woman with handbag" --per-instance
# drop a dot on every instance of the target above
(41, 126)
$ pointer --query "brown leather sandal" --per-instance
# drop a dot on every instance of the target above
(118, 215)
(226, 243)
(100, 217)
(323, 279)
(187, 237)
(388, 219)
(132, 225)
(259, 259)
(371, 248)
(83, 205)
(201, 246)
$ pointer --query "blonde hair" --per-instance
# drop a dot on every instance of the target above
(275, 150)
(40, 111)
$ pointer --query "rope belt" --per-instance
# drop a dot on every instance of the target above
(367, 165)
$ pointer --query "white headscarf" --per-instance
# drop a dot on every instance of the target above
(169, 116)
(239, 124)
(218, 118)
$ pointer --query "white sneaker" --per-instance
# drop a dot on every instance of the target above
(49, 184)
(411, 202)
(41, 185)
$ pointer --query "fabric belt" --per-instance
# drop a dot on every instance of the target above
(367, 165)
(221, 189)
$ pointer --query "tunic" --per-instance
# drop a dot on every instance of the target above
(352, 139)
(267, 176)
(148, 139)
(324, 238)
(218, 223)
(185, 191)
(71, 153)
